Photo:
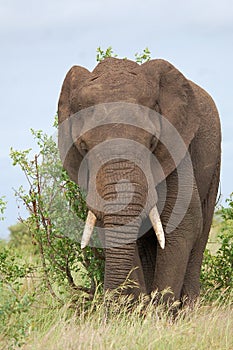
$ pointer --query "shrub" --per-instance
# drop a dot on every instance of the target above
(139, 57)
(217, 268)
(14, 300)
(57, 212)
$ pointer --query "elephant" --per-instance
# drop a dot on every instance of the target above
(145, 144)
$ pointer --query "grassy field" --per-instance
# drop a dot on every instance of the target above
(54, 328)
(31, 319)
(204, 328)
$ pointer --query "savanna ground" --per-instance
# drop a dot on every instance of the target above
(207, 327)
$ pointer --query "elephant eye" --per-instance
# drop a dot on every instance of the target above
(83, 148)
(153, 143)
(157, 107)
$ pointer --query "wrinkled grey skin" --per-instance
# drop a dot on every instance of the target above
(162, 88)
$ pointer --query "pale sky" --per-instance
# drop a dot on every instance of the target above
(41, 40)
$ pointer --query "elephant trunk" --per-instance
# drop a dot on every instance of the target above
(123, 187)
(121, 232)
(125, 193)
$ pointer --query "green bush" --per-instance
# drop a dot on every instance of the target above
(101, 54)
(139, 57)
(20, 237)
(15, 300)
(57, 213)
(217, 268)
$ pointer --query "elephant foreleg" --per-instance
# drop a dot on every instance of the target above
(147, 248)
(191, 286)
(172, 262)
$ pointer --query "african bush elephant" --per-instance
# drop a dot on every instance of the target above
(144, 142)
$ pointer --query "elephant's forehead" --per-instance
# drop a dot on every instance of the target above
(129, 114)
(117, 86)
(117, 131)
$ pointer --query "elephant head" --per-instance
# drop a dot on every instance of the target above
(123, 129)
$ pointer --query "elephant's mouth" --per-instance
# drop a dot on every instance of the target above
(154, 218)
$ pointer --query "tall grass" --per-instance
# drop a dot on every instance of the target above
(203, 327)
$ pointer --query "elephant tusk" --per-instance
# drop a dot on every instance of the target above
(88, 229)
(157, 225)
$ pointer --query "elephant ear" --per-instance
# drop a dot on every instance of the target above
(70, 156)
(175, 101)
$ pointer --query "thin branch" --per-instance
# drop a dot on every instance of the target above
(54, 295)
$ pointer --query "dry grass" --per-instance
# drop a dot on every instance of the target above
(205, 327)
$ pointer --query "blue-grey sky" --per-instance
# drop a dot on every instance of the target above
(41, 40)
